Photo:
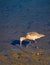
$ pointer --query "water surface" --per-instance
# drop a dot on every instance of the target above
(18, 17)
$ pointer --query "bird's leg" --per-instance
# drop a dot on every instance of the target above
(30, 42)
(35, 41)
(28, 45)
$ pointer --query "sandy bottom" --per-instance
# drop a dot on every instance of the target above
(33, 55)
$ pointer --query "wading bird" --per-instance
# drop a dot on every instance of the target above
(31, 36)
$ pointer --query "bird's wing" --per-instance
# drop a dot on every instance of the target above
(32, 33)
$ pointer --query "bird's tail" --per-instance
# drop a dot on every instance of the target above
(42, 35)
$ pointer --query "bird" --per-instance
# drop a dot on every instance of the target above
(32, 36)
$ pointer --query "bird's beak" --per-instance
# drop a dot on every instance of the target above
(20, 43)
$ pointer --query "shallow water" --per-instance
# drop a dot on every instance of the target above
(17, 17)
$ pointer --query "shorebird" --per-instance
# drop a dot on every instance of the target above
(31, 36)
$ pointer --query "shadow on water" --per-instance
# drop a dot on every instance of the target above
(17, 42)
(24, 43)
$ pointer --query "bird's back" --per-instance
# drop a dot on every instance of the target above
(33, 35)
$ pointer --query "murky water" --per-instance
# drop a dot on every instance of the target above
(18, 17)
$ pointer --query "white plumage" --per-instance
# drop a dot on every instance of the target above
(31, 36)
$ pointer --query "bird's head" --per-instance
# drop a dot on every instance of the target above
(22, 38)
